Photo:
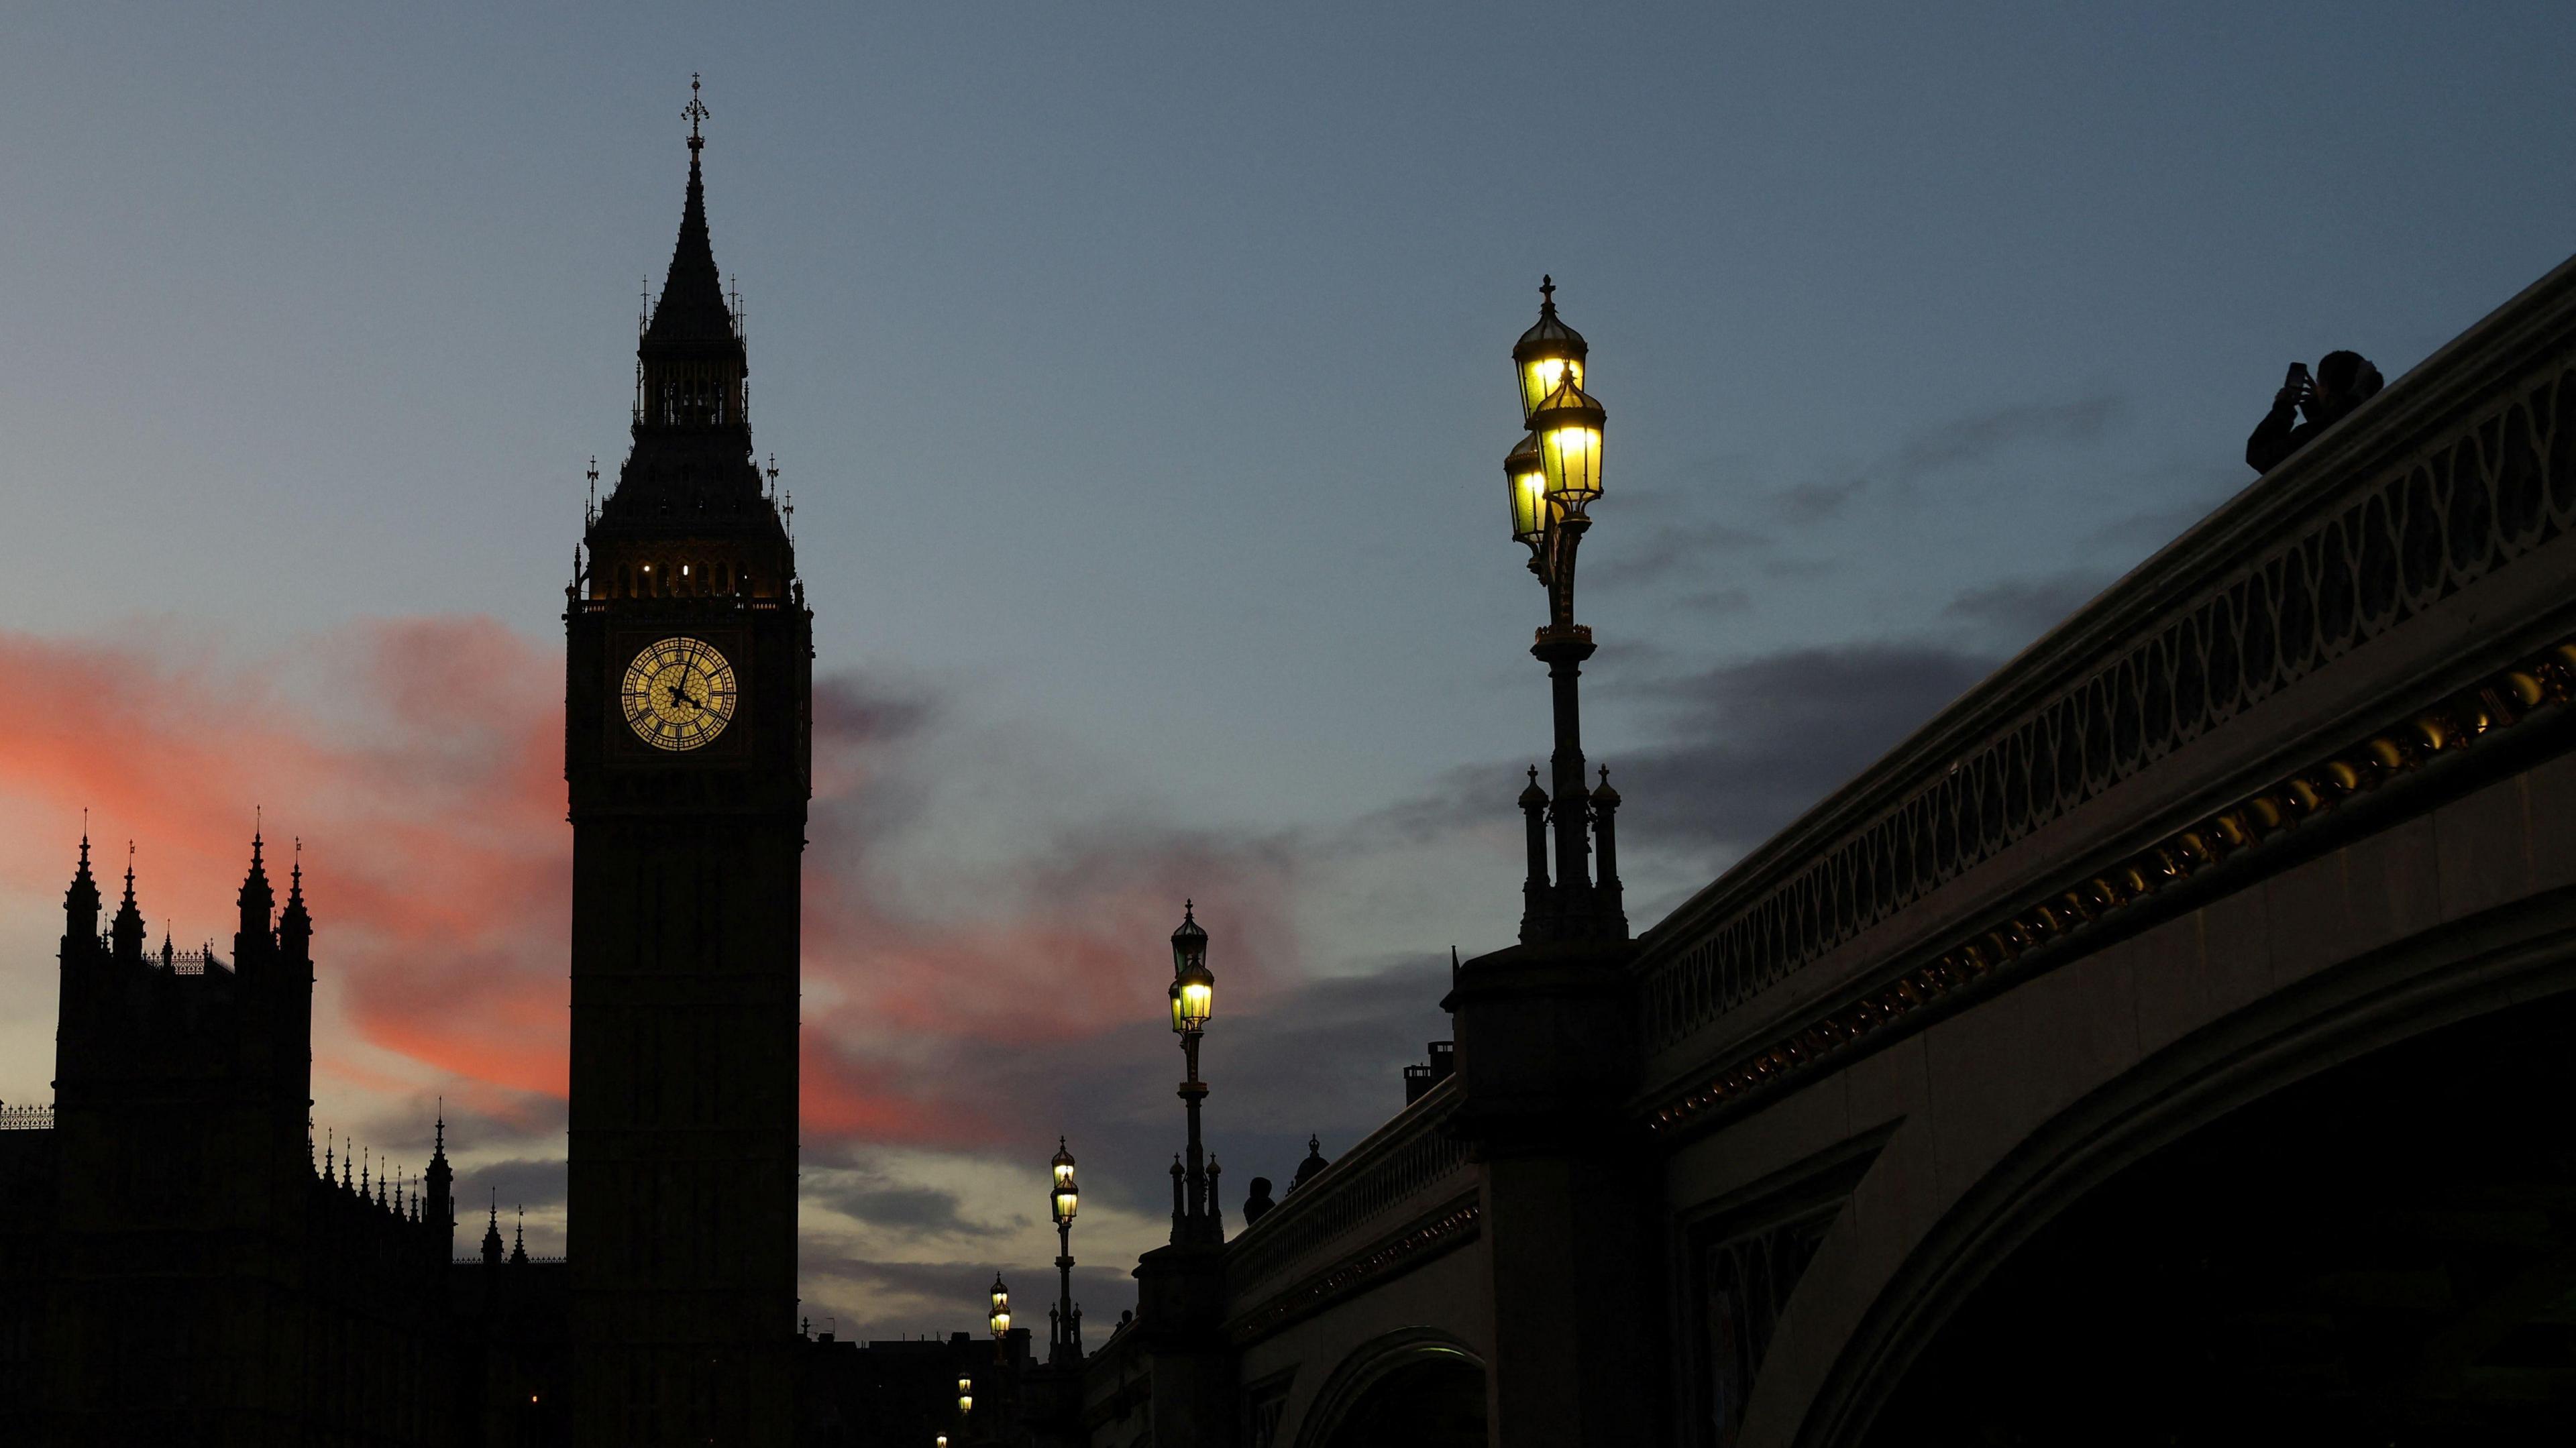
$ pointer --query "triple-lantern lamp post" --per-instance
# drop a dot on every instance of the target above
(1196, 1217)
(1553, 475)
(1064, 1197)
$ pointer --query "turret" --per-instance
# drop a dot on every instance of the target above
(295, 924)
(80, 910)
(492, 1234)
(125, 933)
(254, 941)
(442, 1204)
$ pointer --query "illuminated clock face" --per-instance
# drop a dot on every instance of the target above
(679, 694)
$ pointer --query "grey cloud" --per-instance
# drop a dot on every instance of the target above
(1673, 543)
(912, 1210)
(1816, 502)
(849, 709)
(2141, 534)
(1654, 553)
(1746, 746)
(407, 1131)
(1983, 436)
(1720, 602)
(2021, 609)
(1754, 744)
(526, 1182)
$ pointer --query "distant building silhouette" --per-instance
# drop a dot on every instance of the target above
(176, 1267)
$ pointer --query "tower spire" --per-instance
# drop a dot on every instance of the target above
(692, 308)
(81, 903)
(257, 902)
(126, 932)
(295, 923)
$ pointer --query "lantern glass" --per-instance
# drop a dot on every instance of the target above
(1573, 456)
(965, 1386)
(1543, 373)
(1526, 481)
(1193, 1001)
(1568, 428)
(965, 1403)
(1189, 944)
(1067, 1200)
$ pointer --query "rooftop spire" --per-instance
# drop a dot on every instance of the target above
(81, 901)
(295, 923)
(126, 932)
(256, 900)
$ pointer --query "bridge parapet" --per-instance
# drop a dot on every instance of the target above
(2395, 592)
(1400, 1194)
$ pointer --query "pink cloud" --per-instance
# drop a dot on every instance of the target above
(420, 761)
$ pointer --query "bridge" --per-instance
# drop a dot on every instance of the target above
(2171, 1041)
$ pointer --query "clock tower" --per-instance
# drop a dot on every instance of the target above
(687, 691)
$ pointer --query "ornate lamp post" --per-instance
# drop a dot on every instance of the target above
(1000, 1321)
(1195, 1215)
(1553, 475)
(1064, 1344)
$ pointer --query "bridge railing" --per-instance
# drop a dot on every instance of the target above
(2411, 552)
(1409, 1162)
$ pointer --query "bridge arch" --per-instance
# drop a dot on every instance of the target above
(2425, 1011)
(1418, 1387)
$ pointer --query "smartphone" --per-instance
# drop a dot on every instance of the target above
(2298, 377)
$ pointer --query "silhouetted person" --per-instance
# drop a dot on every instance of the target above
(2344, 381)
(1257, 1201)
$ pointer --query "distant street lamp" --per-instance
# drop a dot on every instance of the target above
(1065, 1196)
(965, 1396)
(1553, 475)
(1001, 1318)
(1195, 1214)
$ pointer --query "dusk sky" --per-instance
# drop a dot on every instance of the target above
(1142, 377)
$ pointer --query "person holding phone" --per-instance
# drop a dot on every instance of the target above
(2343, 382)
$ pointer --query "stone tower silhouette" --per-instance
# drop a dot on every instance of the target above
(686, 746)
